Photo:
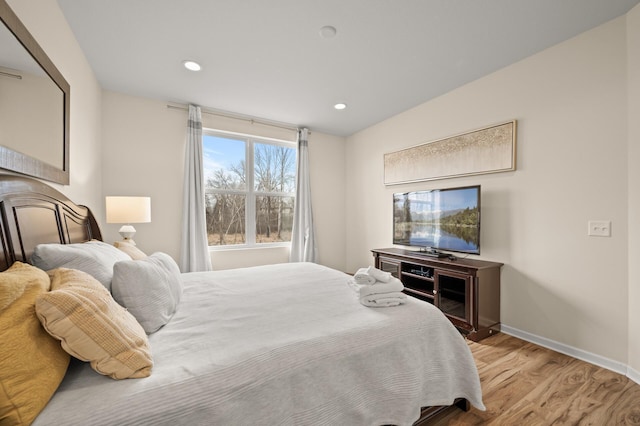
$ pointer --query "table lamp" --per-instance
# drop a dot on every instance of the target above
(128, 210)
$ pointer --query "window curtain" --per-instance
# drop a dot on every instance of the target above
(195, 247)
(303, 242)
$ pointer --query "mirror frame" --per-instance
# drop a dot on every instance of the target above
(16, 161)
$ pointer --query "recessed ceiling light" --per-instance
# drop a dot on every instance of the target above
(340, 106)
(192, 65)
(328, 31)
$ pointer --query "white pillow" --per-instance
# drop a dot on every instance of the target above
(149, 288)
(96, 258)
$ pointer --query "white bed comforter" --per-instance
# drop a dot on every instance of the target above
(280, 345)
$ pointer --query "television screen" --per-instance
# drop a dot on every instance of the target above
(442, 219)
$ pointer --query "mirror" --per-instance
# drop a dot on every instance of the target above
(34, 105)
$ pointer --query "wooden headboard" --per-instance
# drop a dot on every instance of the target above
(33, 213)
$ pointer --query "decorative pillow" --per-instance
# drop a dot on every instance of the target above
(92, 327)
(32, 363)
(129, 248)
(96, 258)
(150, 289)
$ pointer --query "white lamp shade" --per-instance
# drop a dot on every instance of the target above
(128, 209)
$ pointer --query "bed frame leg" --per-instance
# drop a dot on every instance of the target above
(463, 404)
(428, 413)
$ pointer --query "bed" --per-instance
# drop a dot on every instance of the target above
(285, 344)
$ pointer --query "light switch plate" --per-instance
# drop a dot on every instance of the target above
(599, 228)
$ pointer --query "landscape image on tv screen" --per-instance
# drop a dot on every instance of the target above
(440, 219)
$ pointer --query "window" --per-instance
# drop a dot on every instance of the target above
(249, 189)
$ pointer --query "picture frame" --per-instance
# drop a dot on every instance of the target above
(491, 149)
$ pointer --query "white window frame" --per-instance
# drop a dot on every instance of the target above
(250, 192)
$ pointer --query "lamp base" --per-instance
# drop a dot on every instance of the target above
(127, 232)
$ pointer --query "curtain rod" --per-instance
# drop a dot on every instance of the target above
(8, 74)
(252, 120)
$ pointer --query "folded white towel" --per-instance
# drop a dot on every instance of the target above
(384, 300)
(362, 276)
(394, 285)
(354, 285)
(371, 275)
(379, 275)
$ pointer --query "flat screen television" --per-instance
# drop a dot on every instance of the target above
(439, 219)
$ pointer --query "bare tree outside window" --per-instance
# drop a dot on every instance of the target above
(250, 189)
(274, 175)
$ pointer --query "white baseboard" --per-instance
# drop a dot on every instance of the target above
(589, 357)
(633, 375)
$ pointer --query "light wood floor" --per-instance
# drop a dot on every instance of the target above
(525, 384)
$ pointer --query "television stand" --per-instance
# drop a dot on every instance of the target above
(467, 291)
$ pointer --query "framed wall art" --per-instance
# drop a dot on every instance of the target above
(488, 150)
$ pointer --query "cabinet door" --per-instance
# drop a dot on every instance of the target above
(387, 264)
(453, 295)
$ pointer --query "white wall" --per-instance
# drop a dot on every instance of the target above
(633, 75)
(143, 154)
(47, 25)
(570, 103)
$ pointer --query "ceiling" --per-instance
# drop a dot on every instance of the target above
(267, 59)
